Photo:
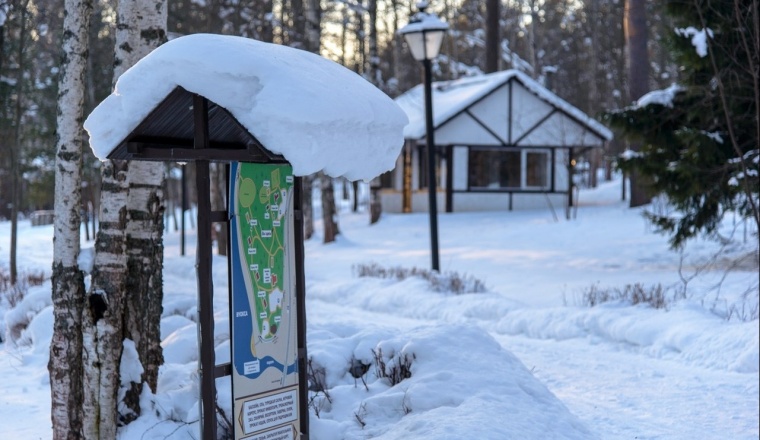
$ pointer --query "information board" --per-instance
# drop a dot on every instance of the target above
(265, 377)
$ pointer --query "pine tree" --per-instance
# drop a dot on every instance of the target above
(700, 138)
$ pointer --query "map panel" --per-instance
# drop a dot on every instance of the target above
(264, 313)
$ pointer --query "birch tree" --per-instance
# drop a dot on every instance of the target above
(127, 286)
(65, 363)
(141, 27)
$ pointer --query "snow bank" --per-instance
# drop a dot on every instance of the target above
(316, 113)
(700, 338)
(454, 392)
(18, 319)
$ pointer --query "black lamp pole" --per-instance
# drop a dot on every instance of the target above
(424, 35)
(430, 138)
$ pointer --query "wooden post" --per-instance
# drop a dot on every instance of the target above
(205, 281)
(303, 394)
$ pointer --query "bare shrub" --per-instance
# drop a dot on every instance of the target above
(440, 282)
(358, 369)
(316, 376)
(395, 369)
(13, 294)
(748, 309)
(656, 296)
(360, 415)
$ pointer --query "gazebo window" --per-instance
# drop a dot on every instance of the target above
(536, 169)
(494, 169)
(508, 169)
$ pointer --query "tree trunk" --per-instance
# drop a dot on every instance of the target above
(15, 151)
(65, 364)
(312, 43)
(308, 210)
(638, 80)
(145, 252)
(102, 319)
(218, 203)
(329, 213)
(129, 255)
(375, 75)
(313, 13)
(492, 36)
(374, 72)
(355, 194)
(141, 25)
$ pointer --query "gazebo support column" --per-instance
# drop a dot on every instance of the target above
(205, 281)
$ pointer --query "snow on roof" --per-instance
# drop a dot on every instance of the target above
(316, 113)
(451, 97)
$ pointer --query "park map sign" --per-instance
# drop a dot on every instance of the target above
(265, 376)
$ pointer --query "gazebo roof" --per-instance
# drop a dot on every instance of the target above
(265, 100)
(451, 98)
(167, 133)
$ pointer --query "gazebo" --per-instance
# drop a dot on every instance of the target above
(504, 142)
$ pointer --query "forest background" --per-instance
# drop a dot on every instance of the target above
(577, 48)
(599, 55)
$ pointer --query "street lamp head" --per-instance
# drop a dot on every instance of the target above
(424, 33)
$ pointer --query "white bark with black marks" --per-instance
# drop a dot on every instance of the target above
(129, 252)
(141, 27)
(65, 364)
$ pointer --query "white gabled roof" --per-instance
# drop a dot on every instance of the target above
(452, 97)
(316, 113)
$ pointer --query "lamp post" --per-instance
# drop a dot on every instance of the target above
(424, 35)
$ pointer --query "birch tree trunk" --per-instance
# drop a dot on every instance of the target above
(127, 285)
(145, 251)
(65, 364)
(141, 27)
(102, 318)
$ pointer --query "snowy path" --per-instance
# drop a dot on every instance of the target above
(623, 395)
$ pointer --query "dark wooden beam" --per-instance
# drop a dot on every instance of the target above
(298, 239)
(205, 280)
(223, 370)
(160, 152)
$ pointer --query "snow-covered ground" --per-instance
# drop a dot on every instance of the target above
(524, 360)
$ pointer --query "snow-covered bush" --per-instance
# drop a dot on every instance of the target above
(656, 296)
(449, 281)
(17, 319)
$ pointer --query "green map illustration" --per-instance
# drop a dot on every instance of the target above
(263, 196)
(265, 374)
